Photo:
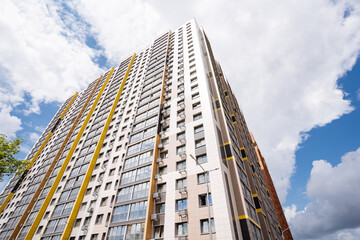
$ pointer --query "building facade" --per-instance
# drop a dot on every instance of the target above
(156, 148)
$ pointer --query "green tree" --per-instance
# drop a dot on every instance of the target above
(8, 163)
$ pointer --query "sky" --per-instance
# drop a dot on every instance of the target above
(293, 66)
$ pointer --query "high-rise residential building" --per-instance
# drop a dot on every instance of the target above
(156, 148)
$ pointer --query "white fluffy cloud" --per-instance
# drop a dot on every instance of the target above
(334, 194)
(9, 124)
(283, 59)
(39, 56)
(121, 27)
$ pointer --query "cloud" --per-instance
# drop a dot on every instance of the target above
(283, 59)
(334, 195)
(121, 27)
(40, 129)
(358, 94)
(34, 137)
(41, 55)
(9, 125)
(290, 212)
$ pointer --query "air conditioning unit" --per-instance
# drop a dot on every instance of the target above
(182, 190)
(156, 195)
(182, 213)
(155, 217)
(160, 146)
(84, 228)
(95, 194)
(182, 154)
(90, 210)
(182, 170)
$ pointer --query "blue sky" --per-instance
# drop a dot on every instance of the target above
(294, 70)
(330, 142)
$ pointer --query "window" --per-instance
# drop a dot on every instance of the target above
(115, 159)
(196, 86)
(200, 143)
(165, 141)
(199, 128)
(181, 229)
(181, 136)
(103, 201)
(137, 210)
(99, 218)
(197, 116)
(162, 170)
(180, 150)
(39, 230)
(159, 232)
(94, 236)
(193, 80)
(112, 172)
(196, 105)
(161, 188)
(181, 123)
(195, 96)
(203, 178)
(204, 226)
(83, 206)
(77, 222)
(91, 179)
(160, 208)
(108, 186)
(203, 200)
(181, 204)
(201, 159)
(181, 183)
(164, 154)
(120, 213)
(181, 165)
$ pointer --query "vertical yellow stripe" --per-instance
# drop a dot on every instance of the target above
(67, 107)
(152, 184)
(51, 192)
(3, 205)
(70, 222)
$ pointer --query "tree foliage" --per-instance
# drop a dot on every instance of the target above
(8, 163)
